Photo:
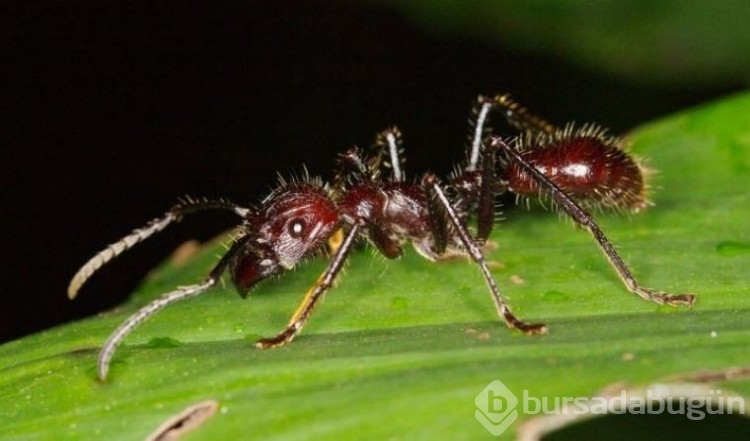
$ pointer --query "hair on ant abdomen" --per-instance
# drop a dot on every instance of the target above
(371, 200)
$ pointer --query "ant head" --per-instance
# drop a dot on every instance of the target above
(291, 224)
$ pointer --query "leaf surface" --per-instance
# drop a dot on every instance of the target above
(400, 349)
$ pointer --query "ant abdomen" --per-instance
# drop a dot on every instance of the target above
(586, 164)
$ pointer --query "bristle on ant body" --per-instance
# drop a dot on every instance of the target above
(371, 200)
(585, 163)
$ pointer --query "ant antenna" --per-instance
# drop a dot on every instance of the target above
(175, 214)
(140, 316)
(114, 340)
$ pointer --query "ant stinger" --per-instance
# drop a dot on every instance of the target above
(371, 199)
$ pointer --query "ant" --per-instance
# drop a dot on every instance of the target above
(371, 198)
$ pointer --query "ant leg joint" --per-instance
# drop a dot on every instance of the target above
(430, 179)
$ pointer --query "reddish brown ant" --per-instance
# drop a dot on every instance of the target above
(371, 199)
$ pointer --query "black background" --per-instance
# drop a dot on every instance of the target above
(117, 108)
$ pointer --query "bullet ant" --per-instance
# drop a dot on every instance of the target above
(371, 198)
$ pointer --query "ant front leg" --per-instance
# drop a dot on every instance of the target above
(584, 219)
(432, 187)
(305, 309)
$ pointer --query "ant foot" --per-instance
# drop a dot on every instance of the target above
(663, 298)
(281, 339)
(527, 328)
(532, 328)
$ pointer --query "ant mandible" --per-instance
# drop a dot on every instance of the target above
(370, 198)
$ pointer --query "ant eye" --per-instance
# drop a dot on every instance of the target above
(297, 228)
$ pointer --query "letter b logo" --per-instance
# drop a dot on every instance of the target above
(496, 407)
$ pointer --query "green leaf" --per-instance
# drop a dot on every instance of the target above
(668, 41)
(400, 349)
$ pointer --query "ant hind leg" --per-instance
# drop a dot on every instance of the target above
(584, 219)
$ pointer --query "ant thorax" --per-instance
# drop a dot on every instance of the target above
(393, 213)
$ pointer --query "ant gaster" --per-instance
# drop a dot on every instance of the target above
(371, 199)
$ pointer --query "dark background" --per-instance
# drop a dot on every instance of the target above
(115, 109)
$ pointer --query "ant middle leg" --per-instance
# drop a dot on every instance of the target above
(434, 191)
